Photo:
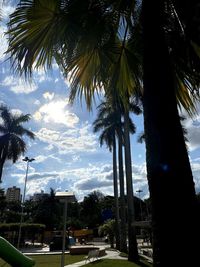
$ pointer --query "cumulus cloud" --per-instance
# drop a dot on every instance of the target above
(6, 11)
(4, 43)
(195, 164)
(107, 168)
(48, 95)
(37, 102)
(16, 111)
(76, 158)
(139, 171)
(67, 142)
(192, 126)
(18, 85)
(92, 184)
(56, 111)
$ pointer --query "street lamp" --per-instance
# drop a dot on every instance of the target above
(140, 191)
(28, 160)
(64, 197)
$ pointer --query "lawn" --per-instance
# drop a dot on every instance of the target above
(50, 260)
(116, 263)
(54, 261)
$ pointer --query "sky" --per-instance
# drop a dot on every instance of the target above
(66, 151)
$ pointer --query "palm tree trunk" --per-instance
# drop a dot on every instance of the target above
(123, 235)
(1, 170)
(116, 193)
(132, 242)
(2, 161)
(175, 219)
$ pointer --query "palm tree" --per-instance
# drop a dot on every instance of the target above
(167, 159)
(107, 122)
(90, 45)
(12, 146)
(109, 118)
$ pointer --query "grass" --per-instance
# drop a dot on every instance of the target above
(50, 260)
(54, 261)
(117, 263)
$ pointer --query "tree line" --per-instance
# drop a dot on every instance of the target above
(91, 212)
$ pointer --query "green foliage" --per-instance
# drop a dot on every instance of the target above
(90, 209)
(108, 228)
(117, 263)
(15, 226)
(48, 211)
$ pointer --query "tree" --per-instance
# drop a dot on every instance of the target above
(107, 121)
(48, 211)
(91, 47)
(12, 146)
(108, 228)
(90, 212)
(167, 159)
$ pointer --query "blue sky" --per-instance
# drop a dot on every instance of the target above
(67, 153)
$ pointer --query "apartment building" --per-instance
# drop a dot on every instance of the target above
(13, 194)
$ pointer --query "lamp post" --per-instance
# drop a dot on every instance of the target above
(28, 160)
(64, 197)
(140, 191)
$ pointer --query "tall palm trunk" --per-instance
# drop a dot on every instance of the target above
(1, 170)
(132, 242)
(123, 233)
(175, 218)
(116, 193)
(2, 160)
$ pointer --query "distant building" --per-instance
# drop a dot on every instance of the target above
(13, 194)
(2, 193)
(39, 196)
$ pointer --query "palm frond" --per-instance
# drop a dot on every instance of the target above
(17, 147)
(141, 138)
(6, 116)
(33, 34)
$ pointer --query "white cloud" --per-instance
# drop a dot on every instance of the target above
(56, 112)
(48, 95)
(18, 86)
(195, 165)
(4, 43)
(76, 158)
(192, 125)
(37, 102)
(16, 111)
(6, 10)
(93, 184)
(67, 142)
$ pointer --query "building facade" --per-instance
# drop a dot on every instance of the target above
(13, 194)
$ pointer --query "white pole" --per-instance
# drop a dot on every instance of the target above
(64, 234)
(22, 211)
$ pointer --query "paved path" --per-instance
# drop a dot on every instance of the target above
(110, 254)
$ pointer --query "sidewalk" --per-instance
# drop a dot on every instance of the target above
(143, 250)
(110, 254)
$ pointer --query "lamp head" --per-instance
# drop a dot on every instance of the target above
(27, 159)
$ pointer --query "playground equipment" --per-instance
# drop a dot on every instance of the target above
(13, 256)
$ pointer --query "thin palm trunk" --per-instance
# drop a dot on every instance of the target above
(1, 170)
(2, 161)
(132, 242)
(123, 233)
(175, 218)
(116, 193)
